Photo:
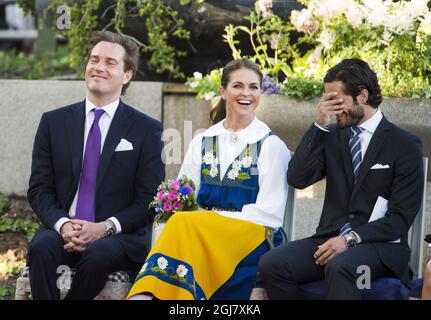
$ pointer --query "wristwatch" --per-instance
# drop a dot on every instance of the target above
(109, 229)
(351, 240)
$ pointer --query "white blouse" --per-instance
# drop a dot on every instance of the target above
(272, 165)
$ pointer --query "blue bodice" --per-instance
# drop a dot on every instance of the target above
(238, 187)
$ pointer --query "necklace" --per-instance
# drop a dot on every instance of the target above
(233, 138)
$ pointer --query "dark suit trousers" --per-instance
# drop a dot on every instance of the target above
(93, 266)
(285, 268)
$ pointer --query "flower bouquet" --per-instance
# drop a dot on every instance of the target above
(173, 196)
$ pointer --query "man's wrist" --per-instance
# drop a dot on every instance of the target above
(356, 236)
(59, 224)
(63, 225)
(350, 240)
(321, 127)
(109, 228)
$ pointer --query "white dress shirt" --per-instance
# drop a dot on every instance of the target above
(104, 124)
(369, 127)
(272, 165)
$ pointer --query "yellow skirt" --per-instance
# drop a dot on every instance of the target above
(196, 253)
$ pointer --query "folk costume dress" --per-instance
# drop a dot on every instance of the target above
(241, 182)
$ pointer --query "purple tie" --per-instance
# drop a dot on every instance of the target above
(86, 206)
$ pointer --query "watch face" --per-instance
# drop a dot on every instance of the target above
(109, 230)
(351, 243)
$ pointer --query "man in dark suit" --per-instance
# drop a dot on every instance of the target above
(96, 166)
(369, 163)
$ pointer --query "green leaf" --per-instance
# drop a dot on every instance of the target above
(244, 176)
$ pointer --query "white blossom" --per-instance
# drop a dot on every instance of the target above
(209, 95)
(265, 7)
(197, 75)
(236, 165)
(182, 271)
(328, 8)
(326, 38)
(193, 84)
(213, 171)
(209, 158)
(162, 263)
(416, 8)
(387, 37)
(354, 15)
(247, 161)
(425, 25)
(303, 21)
(375, 12)
(232, 174)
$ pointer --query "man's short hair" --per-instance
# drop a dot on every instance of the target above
(131, 57)
(356, 75)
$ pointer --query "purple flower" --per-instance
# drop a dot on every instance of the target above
(177, 205)
(175, 184)
(161, 195)
(167, 206)
(173, 195)
(269, 86)
(186, 190)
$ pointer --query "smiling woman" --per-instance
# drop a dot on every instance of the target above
(239, 169)
(241, 84)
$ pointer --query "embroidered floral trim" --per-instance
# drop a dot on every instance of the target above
(173, 271)
(236, 167)
(211, 160)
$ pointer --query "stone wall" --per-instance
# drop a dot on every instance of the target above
(22, 104)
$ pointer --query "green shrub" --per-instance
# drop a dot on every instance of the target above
(6, 292)
(4, 203)
(394, 37)
(19, 225)
(34, 66)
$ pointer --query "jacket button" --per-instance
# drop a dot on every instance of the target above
(351, 216)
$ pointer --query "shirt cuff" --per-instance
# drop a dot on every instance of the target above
(116, 223)
(320, 127)
(59, 224)
(357, 236)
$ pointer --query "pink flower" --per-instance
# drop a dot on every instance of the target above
(167, 206)
(173, 195)
(177, 205)
(175, 184)
(161, 195)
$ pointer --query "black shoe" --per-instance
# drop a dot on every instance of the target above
(428, 238)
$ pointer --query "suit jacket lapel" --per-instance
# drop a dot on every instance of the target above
(75, 123)
(347, 157)
(119, 126)
(376, 143)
